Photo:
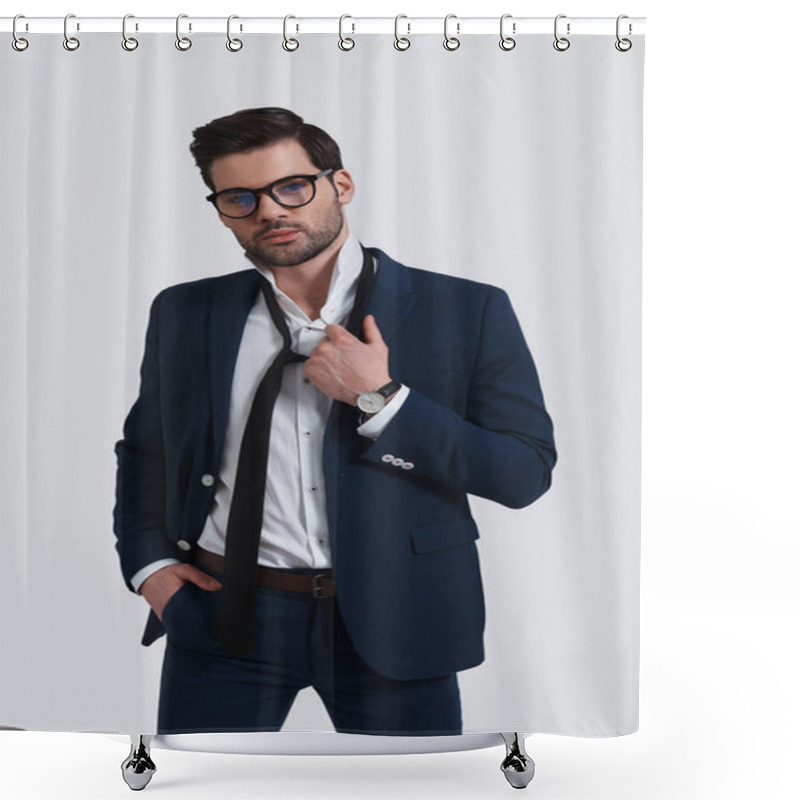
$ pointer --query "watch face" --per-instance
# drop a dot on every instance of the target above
(370, 402)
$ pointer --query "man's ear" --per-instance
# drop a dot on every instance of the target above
(344, 185)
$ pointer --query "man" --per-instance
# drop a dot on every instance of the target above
(293, 477)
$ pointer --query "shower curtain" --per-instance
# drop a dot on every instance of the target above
(518, 169)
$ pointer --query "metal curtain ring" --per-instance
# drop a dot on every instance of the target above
(128, 42)
(400, 42)
(18, 43)
(234, 45)
(70, 42)
(507, 42)
(345, 42)
(623, 45)
(561, 43)
(290, 45)
(182, 42)
(451, 42)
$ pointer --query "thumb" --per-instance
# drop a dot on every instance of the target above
(372, 333)
(203, 580)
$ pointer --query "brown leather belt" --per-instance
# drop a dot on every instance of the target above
(319, 585)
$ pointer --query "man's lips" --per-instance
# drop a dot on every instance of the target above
(281, 235)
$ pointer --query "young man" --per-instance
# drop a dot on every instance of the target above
(293, 477)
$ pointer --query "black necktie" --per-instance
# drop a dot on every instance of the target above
(237, 629)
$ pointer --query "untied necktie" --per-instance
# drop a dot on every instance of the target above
(237, 623)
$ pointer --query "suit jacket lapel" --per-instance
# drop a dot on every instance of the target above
(229, 311)
(391, 298)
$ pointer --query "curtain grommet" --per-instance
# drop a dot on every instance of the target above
(507, 42)
(234, 45)
(70, 42)
(17, 42)
(289, 44)
(561, 43)
(129, 43)
(401, 43)
(451, 43)
(183, 43)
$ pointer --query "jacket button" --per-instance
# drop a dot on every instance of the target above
(207, 480)
(387, 458)
(406, 465)
(184, 545)
(398, 462)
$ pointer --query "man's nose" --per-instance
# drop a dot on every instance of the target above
(268, 209)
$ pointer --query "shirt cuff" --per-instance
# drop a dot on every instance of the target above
(375, 426)
(145, 572)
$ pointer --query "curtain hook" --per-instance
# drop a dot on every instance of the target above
(70, 42)
(182, 42)
(507, 42)
(18, 43)
(128, 42)
(561, 43)
(234, 45)
(345, 42)
(623, 45)
(290, 45)
(451, 42)
(401, 43)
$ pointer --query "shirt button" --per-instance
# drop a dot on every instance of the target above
(407, 465)
(313, 488)
(306, 433)
(207, 480)
(398, 462)
(184, 545)
(388, 458)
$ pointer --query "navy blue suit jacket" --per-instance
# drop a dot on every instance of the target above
(402, 540)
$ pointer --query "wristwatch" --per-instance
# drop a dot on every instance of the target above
(373, 402)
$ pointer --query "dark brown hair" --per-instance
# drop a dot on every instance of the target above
(252, 128)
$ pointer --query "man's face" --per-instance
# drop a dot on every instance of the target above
(274, 236)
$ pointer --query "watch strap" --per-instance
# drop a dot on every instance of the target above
(389, 389)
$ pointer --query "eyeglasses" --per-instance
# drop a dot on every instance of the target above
(291, 192)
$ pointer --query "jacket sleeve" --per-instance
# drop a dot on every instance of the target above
(502, 448)
(139, 511)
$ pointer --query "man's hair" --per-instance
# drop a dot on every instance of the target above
(252, 128)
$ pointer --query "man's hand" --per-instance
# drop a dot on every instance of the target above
(159, 587)
(343, 367)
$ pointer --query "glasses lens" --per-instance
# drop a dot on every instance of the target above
(237, 203)
(294, 191)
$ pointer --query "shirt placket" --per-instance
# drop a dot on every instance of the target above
(310, 430)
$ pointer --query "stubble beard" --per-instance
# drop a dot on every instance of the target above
(311, 242)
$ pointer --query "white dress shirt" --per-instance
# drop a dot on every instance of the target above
(295, 528)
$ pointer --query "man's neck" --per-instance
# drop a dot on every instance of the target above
(308, 283)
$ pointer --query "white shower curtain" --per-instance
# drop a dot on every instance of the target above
(521, 169)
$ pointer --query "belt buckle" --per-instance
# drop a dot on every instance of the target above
(317, 589)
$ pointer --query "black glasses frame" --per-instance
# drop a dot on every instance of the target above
(212, 198)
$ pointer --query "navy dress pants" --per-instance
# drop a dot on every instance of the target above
(301, 642)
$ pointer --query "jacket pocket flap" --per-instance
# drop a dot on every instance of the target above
(442, 535)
